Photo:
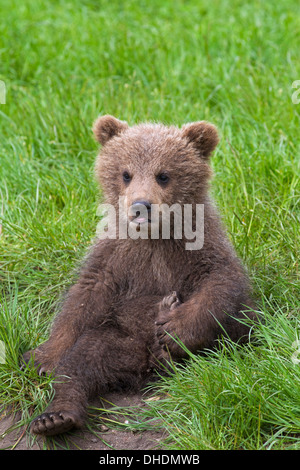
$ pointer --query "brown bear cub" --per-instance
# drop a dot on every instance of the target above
(137, 295)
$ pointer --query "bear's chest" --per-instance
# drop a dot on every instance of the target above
(162, 272)
(156, 270)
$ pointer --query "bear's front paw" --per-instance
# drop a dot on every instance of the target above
(169, 302)
(168, 326)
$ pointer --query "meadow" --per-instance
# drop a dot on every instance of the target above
(232, 63)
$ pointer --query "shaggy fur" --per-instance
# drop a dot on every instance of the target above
(132, 296)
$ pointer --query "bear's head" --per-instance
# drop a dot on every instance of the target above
(153, 164)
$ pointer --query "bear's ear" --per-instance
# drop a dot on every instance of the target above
(203, 135)
(106, 127)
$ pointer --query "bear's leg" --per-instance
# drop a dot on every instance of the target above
(101, 358)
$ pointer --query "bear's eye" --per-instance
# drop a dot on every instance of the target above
(126, 177)
(162, 178)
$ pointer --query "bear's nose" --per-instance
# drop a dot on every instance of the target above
(140, 212)
(142, 205)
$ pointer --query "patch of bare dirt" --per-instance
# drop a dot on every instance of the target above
(98, 436)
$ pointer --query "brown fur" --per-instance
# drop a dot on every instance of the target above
(115, 324)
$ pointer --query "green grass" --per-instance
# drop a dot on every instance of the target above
(245, 398)
(230, 62)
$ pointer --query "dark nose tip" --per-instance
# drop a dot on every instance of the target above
(142, 203)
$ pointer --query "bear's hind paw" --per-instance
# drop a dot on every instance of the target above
(49, 424)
